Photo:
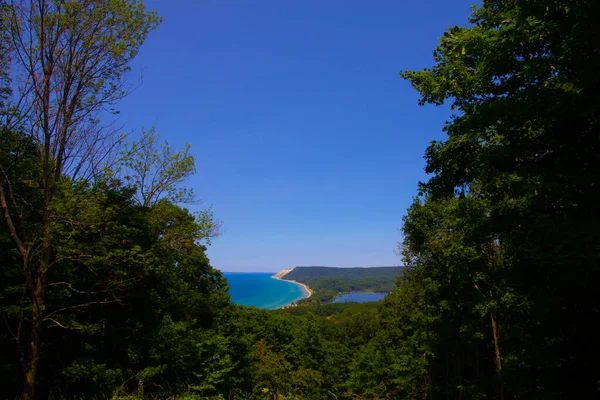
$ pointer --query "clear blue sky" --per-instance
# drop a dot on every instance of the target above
(308, 144)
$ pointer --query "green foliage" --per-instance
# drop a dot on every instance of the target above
(271, 373)
(156, 170)
(505, 234)
(501, 246)
(132, 303)
(68, 60)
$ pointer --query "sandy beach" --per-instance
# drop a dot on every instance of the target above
(284, 272)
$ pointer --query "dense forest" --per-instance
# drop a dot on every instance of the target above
(106, 290)
(303, 274)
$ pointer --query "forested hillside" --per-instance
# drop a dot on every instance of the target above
(106, 290)
(303, 274)
(327, 283)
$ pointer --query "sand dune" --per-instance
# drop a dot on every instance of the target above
(282, 273)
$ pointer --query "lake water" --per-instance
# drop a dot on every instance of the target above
(260, 290)
(359, 297)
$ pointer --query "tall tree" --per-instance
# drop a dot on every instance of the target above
(522, 82)
(71, 58)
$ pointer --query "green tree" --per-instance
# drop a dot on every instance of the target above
(449, 248)
(71, 58)
(523, 141)
(133, 303)
(394, 363)
(271, 373)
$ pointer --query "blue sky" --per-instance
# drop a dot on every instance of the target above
(308, 145)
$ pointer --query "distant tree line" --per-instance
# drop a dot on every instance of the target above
(303, 274)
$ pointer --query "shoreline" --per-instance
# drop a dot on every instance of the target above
(283, 273)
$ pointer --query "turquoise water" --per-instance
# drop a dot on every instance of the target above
(260, 290)
(359, 297)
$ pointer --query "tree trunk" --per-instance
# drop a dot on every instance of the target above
(429, 376)
(477, 363)
(35, 337)
(459, 369)
(37, 288)
(447, 380)
(497, 358)
(32, 355)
